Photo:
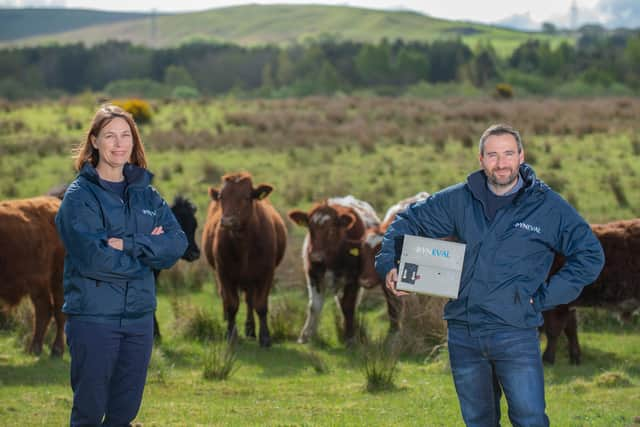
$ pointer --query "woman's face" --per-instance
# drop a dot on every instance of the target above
(114, 143)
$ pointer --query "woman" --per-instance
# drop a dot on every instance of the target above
(116, 229)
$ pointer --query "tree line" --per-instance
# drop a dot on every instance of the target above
(598, 58)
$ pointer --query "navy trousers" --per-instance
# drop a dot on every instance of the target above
(108, 370)
(485, 367)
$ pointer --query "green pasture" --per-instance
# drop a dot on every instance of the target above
(380, 150)
(278, 386)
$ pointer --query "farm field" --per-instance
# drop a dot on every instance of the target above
(378, 149)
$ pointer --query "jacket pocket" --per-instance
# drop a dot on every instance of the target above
(103, 299)
(141, 296)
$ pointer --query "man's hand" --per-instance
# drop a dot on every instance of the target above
(391, 280)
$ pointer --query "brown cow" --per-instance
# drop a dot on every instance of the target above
(617, 287)
(371, 246)
(244, 240)
(32, 262)
(332, 248)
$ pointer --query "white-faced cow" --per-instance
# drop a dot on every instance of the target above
(371, 246)
(244, 240)
(617, 288)
(331, 256)
(32, 262)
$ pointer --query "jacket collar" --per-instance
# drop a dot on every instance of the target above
(477, 183)
(134, 175)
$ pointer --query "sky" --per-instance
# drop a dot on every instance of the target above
(533, 12)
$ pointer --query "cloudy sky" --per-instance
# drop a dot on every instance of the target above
(489, 11)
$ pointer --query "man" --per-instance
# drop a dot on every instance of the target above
(512, 223)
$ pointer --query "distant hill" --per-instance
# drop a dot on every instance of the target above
(17, 24)
(278, 24)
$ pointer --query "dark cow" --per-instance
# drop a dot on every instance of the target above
(244, 240)
(617, 288)
(32, 263)
(331, 250)
(185, 213)
(371, 246)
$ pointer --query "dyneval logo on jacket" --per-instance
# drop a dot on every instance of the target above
(423, 250)
(148, 212)
(533, 228)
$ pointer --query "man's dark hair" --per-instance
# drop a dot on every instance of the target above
(500, 129)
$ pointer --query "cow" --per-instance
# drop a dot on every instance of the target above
(371, 246)
(185, 213)
(617, 288)
(244, 240)
(331, 251)
(32, 263)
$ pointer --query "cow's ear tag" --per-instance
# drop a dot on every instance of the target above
(354, 251)
(262, 195)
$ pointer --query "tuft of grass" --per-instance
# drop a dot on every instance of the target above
(613, 379)
(285, 318)
(159, 367)
(317, 362)
(196, 323)
(379, 364)
(220, 360)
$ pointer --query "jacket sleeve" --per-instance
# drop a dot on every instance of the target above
(163, 250)
(427, 218)
(584, 261)
(80, 226)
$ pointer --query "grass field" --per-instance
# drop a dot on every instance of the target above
(380, 150)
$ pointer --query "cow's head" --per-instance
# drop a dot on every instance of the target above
(328, 228)
(185, 213)
(371, 244)
(236, 197)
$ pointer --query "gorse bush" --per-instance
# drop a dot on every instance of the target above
(138, 108)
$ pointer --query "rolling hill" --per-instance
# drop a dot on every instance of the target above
(16, 24)
(262, 24)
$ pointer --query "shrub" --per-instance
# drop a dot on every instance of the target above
(503, 91)
(159, 368)
(220, 360)
(618, 190)
(613, 379)
(138, 108)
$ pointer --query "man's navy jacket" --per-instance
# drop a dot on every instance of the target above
(507, 260)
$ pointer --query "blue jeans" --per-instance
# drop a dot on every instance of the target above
(108, 370)
(484, 367)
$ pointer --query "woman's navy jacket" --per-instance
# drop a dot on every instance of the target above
(507, 260)
(101, 282)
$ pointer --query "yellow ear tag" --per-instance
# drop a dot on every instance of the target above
(262, 196)
(354, 251)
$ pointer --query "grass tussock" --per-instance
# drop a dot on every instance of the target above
(379, 364)
(219, 361)
(317, 362)
(285, 318)
(196, 323)
(160, 368)
(613, 379)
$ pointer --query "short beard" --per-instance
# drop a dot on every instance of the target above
(493, 180)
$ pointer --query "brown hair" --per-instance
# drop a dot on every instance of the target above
(85, 152)
(500, 129)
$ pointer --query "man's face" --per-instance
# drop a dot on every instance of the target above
(501, 160)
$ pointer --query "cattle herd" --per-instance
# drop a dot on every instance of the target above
(244, 240)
